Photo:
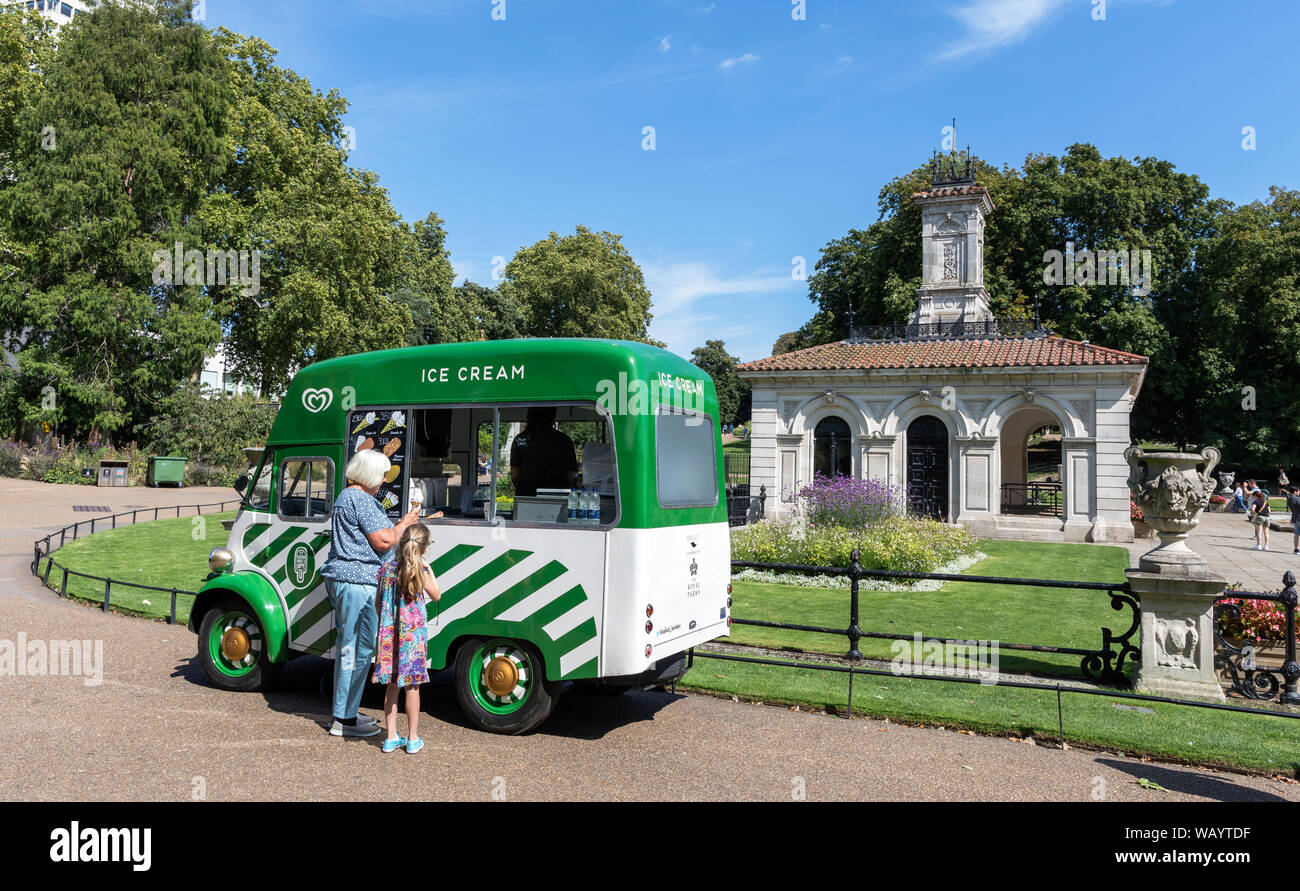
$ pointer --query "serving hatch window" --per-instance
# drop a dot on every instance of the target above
(686, 462)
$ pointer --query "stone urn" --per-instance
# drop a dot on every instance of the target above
(1172, 488)
(1226, 478)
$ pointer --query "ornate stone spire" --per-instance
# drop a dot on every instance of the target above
(952, 238)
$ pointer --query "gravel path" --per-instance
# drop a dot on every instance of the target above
(153, 730)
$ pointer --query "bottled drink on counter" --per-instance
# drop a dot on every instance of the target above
(573, 505)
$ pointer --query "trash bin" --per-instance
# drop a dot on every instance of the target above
(165, 469)
(111, 473)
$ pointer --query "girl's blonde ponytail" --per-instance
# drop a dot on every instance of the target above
(410, 561)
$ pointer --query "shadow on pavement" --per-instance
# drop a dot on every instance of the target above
(303, 688)
(1205, 785)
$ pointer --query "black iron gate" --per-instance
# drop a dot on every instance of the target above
(743, 506)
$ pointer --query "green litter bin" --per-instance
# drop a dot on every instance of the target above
(165, 469)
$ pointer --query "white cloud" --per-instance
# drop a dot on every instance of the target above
(993, 24)
(844, 60)
(690, 304)
(664, 45)
(746, 59)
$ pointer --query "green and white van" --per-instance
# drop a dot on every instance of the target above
(533, 599)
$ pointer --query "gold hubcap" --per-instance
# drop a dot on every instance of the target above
(235, 644)
(501, 676)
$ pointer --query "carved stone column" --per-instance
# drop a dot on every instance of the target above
(1176, 586)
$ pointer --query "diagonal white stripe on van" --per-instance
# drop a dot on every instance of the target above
(580, 655)
(496, 586)
(570, 620)
(318, 631)
(467, 567)
(536, 600)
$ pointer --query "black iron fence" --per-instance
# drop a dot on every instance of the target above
(1103, 666)
(950, 329)
(44, 549)
(1246, 663)
(744, 506)
(1032, 499)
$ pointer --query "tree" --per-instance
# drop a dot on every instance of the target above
(134, 108)
(26, 50)
(1080, 201)
(333, 251)
(733, 391)
(580, 285)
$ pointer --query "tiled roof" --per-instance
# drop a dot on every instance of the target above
(993, 352)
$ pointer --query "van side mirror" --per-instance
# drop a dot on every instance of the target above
(241, 484)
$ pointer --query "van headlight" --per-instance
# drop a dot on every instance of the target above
(220, 559)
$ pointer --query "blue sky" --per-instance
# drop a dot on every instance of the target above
(773, 135)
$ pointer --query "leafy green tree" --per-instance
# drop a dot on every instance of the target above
(207, 427)
(332, 248)
(26, 50)
(1079, 200)
(134, 105)
(733, 392)
(497, 313)
(439, 313)
(580, 285)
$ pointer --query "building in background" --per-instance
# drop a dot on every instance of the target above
(1001, 426)
(60, 12)
(216, 376)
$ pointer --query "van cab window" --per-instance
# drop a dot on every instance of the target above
(306, 488)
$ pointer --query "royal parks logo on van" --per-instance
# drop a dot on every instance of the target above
(317, 400)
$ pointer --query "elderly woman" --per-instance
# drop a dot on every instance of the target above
(362, 536)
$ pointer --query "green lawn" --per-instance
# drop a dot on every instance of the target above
(167, 553)
(1260, 743)
(969, 611)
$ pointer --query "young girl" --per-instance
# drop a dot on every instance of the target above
(401, 660)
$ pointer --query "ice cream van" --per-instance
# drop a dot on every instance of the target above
(583, 537)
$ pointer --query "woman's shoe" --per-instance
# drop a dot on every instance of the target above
(413, 746)
(392, 745)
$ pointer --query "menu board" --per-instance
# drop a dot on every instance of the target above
(384, 431)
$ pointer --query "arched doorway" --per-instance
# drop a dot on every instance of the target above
(1030, 443)
(927, 468)
(832, 447)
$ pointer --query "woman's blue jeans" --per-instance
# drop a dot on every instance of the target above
(355, 627)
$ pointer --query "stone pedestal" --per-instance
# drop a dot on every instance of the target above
(1177, 634)
(1175, 584)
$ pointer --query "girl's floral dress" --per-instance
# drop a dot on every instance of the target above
(403, 642)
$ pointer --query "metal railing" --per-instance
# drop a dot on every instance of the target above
(1241, 663)
(955, 328)
(1032, 499)
(1104, 666)
(44, 549)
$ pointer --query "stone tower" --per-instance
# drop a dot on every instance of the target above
(952, 239)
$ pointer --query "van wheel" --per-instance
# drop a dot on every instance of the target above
(232, 648)
(502, 687)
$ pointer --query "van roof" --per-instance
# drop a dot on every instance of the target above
(524, 370)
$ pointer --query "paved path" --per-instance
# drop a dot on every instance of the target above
(1226, 541)
(154, 730)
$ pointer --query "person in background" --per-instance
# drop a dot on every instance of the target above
(1293, 502)
(1239, 500)
(1260, 515)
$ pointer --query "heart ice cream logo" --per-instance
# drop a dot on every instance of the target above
(317, 400)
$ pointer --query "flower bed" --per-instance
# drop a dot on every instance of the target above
(907, 544)
(1260, 622)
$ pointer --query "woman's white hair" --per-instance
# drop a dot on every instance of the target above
(367, 467)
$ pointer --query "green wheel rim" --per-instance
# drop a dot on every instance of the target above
(514, 700)
(236, 620)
